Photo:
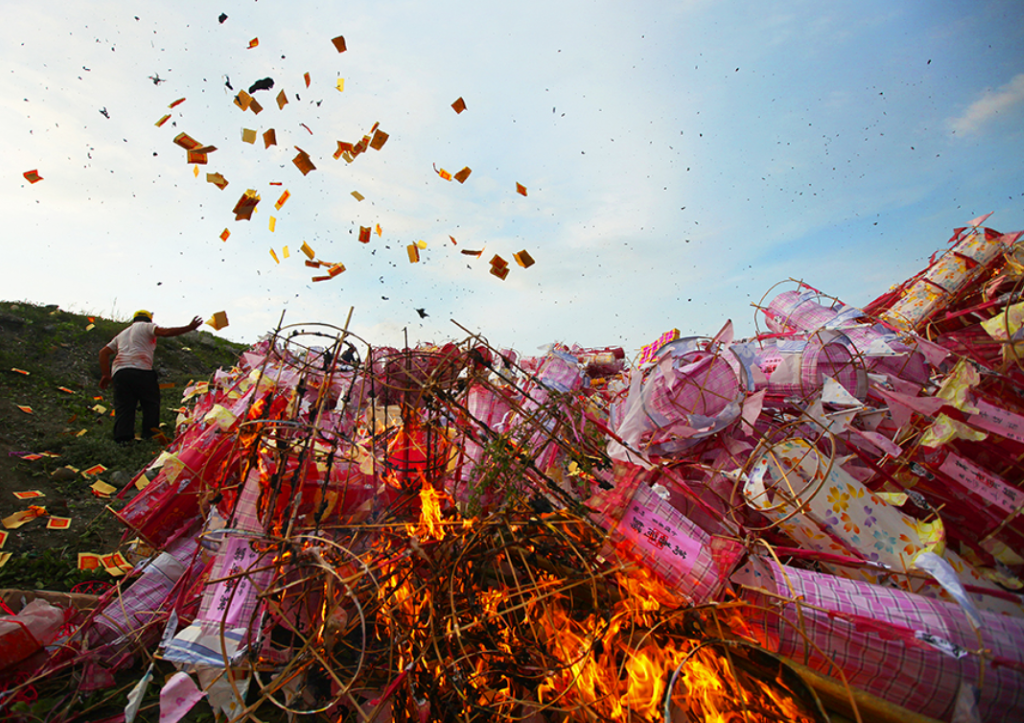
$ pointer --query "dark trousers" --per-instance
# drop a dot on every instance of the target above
(134, 388)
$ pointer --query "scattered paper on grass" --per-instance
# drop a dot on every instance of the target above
(115, 564)
(102, 489)
(520, 189)
(19, 518)
(459, 105)
(248, 135)
(94, 470)
(32, 457)
(219, 320)
(524, 259)
(29, 494)
(224, 235)
(167, 385)
(32, 176)
(58, 523)
(307, 250)
(282, 200)
(99, 409)
(3, 538)
(269, 138)
(339, 43)
(4, 557)
(90, 327)
(81, 432)
(89, 561)
(19, 371)
(357, 195)
(462, 175)
(25, 408)
(282, 100)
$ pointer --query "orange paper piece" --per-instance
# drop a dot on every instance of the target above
(243, 99)
(500, 271)
(187, 142)
(269, 138)
(524, 259)
(19, 371)
(29, 494)
(255, 107)
(274, 255)
(378, 140)
(248, 135)
(160, 123)
(176, 103)
(58, 523)
(357, 195)
(342, 149)
(478, 254)
(302, 162)
(379, 231)
(224, 235)
(276, 183)
(3, 538)
(462, 175)
(25, 408)
(217, 180)
(307, 250)
(32, 176)
(306, 77)
(414, 253)
(16, 520)
(95, 469)
(454, 242)
(31, 457)
(282, 100)
(253, 43)
(364, 234)
(66, 390)
(335, 269)
(197, 157)
(89, 561)
(321, 278)
(459, 105)
(520, 189)
(273, 227)
(115, 564)
(246, 205)
(444, 174)
(313, 264)
(218, 321)
(498, 262)
(102, 489)
(281, 201)
(195, 170)
(339, 43)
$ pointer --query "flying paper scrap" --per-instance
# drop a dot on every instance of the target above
(29, 494)
(224, 235)
(253, 43)
(520, 189)
(217, 180)
(302, 161)
(339, 43)
(269, 138)
(58, 523)
(357, 195)
(364, 234)
(218, 321)
(281, 201)
(524, 259)
(307, 250)
(459, 105)
(273, 225)
(176, 103)
(187, 142)
(274, 255)
(462, 175)
(255, 107)
(414, 253)
(341, 85)
(243, 99)
(282, 100)
(246, 205)
(32, 176)
(378, 140)
(248, 135)
(164, 119)
(306, 78)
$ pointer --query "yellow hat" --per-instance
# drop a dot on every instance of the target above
(143, 314)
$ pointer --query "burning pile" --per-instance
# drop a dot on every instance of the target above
(360, 533)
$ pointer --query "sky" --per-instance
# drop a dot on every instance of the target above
(683, 161)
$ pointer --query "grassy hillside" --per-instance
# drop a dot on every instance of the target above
(71, 417)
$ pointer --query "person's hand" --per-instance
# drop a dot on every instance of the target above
(104, 381)
(196, 323)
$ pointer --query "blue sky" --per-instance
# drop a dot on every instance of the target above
(681, 158)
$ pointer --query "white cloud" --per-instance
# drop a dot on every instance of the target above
(992, 103)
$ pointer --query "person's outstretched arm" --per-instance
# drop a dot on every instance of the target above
(179, 330)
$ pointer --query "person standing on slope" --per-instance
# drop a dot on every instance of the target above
(127, 361)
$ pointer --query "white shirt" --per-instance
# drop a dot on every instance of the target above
(134, 347)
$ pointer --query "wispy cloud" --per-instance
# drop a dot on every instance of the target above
(991, 104)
